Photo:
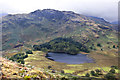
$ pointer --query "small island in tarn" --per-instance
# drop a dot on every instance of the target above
(62, 45)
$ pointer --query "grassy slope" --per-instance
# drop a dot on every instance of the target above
(38, 60)
(36, 29)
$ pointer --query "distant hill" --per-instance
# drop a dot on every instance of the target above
(3, 14)
(115, 22)
(41, 26)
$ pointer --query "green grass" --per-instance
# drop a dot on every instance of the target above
(69, 71)
(38, 60)
(107, 69)
(75, 65)
(81, 74)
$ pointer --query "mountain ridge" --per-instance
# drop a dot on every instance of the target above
(44, 25)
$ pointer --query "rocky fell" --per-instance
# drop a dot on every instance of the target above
(42, 26)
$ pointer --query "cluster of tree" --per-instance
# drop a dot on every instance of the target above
(114, 67)
(109, 76)
(114, 46)
(66, 45)
(99, 45)
(96, 73)
(93, 47)
(20, 57)
(29, 52)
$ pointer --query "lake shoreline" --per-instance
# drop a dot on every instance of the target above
(68, 58)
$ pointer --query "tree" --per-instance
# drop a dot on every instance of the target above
(22, 61)
(36, 47)
(99, 45)
(73, 50)
(112, 71)
(101, 49)
(44, 49)
(49, 67)
(114, 67)
(114, 46)
(63, 78)
(93, 73)
(29, 52)
(62, 71)
(11, 58)
(66, 45)
(26, 56)
(74, 78)
(98, 72)
(109, 76)
(87, 75)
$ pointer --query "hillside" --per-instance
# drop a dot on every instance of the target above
(115, 22)
(42, 26)
(34, 68)
(3, 14)
(14, 70)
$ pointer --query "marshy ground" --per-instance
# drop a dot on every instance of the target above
(39, 60)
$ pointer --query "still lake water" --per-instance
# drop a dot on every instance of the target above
(70, 59)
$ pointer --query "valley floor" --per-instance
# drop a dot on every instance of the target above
(36, 65)
(101, 61)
